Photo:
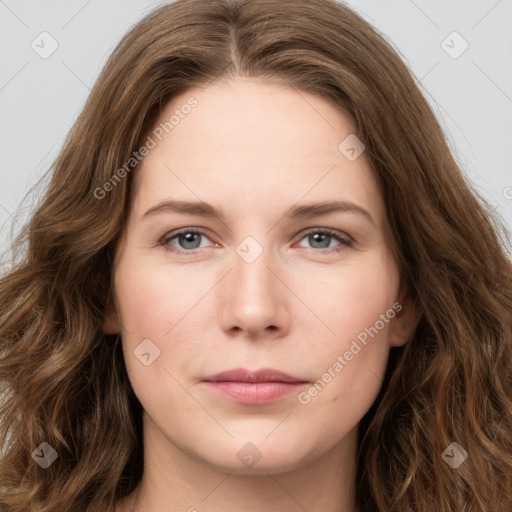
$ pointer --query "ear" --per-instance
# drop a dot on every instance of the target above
(111, 324)
(405, 321)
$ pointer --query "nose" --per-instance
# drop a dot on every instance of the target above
(253, 299)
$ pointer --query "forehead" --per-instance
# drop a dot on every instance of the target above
(256, 141)
(254, 119)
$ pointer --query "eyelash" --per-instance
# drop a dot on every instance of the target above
(344, 242)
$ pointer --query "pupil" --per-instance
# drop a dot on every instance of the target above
(316, 237)
(189, 239)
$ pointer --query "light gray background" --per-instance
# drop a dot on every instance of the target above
(41, 97)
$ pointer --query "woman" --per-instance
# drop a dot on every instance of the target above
(257, 281)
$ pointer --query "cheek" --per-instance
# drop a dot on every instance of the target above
(348, 366)
(358, 297)
(358, 309)
(153, 299)
(153, 305)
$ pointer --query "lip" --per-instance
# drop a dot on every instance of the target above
(262, 375)
(256, 387)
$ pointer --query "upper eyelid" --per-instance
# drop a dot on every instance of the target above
(331, 231)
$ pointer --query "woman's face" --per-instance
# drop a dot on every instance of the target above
(266, 274)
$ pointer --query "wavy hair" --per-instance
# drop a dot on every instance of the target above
(63, 380)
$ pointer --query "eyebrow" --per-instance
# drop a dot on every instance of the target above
(306, 211)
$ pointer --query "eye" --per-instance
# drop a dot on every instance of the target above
(188, 240)
(322, 238)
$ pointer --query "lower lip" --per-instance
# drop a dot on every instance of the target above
(254, 392)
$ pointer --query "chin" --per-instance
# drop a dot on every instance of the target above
(260, 458)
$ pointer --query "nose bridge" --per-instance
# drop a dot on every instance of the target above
(251, 295)
(251, 262)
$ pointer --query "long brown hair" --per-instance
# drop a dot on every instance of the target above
(63, 380)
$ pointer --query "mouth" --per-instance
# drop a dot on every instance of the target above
(257, 387)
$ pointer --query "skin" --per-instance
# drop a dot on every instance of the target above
(255, 148)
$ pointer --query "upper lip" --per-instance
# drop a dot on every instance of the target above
(243, 375)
